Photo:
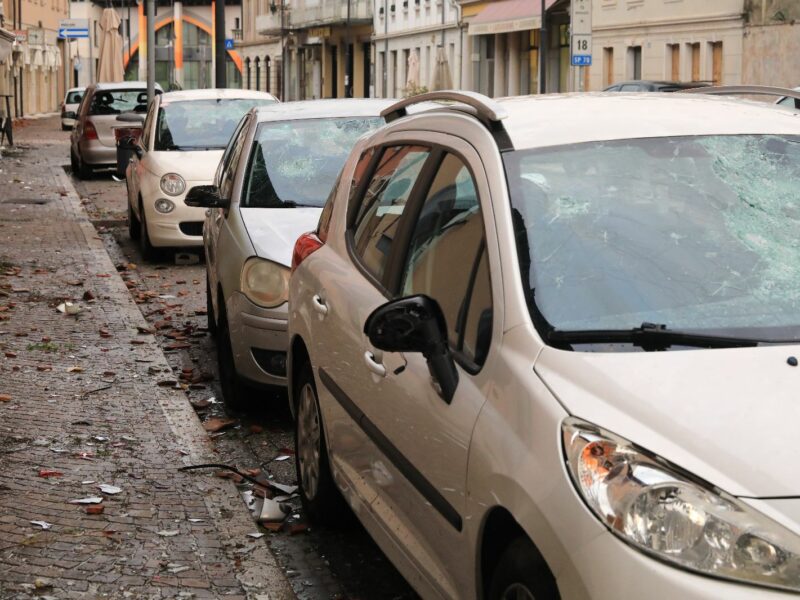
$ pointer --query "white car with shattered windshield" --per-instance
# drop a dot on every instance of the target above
(547, 347)
(183, 138)
(273, 180)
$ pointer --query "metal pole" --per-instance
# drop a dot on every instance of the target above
(348, 66)
(151, 50)
(385, 48)
(219, 44)
(92, 71)
(543, 52)
(284, 84)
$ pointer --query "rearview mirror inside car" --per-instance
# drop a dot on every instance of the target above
(416, 324)
(206, 196)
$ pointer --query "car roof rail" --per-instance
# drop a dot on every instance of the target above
(488, 111)
(730, 90)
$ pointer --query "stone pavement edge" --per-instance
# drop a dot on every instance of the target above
(82, 415)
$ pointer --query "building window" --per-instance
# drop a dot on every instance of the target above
(674, 58)
(716, 62)
(268, 72)
(608, 66)
(258, 73)
(634, 62)
(695, 50)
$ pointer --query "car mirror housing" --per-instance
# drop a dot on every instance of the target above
(206, 196)
(416, 324)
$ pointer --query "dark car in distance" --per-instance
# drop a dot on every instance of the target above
(644, 85)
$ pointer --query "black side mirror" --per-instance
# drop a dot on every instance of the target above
(416, 324)
(206, 196)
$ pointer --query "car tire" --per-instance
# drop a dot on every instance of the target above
(212, 322)
(134, 225)
(73, 162)
(521, 573)
(322, 501)
(146, 248)
(235, 393)
(65, 127)
(84, 170)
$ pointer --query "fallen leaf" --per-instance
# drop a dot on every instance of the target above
(44, 367)
(11, 355)
(46, 473)
(256, 429)
(75, 370)
(5, 398)
(96, 510)
(217, 424)
(88, 295)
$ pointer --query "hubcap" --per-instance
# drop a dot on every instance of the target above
(517, 591)
(308, 441)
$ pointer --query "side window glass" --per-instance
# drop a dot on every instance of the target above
(358, 175)
(229, 169)
(446, 259)
(383, 204)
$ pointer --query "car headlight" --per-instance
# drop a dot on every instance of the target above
(669, 514)
(173, 184)
(264, 282)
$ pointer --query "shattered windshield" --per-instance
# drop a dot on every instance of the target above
(296, 162)
(201, 124)
(698, 233)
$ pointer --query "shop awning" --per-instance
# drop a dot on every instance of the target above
(502, 16)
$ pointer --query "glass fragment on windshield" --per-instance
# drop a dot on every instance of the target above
(694, 232)
(295, 163)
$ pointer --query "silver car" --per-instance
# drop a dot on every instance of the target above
(69, 107)
(92, 143)
(271, 184)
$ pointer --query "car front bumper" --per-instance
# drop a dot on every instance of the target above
(259, 340)
(183, 227)
(606, 568)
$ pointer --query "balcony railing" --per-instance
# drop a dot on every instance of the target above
(330, 12)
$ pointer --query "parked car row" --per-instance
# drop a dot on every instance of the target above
(536, 360)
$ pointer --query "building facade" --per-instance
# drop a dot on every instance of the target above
(675, 40)
(771, 48)
(326, 47)
(414, 42)
(184, 43)
(261, 53)
(33, 73)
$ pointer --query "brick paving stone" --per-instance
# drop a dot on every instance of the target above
(67, 413)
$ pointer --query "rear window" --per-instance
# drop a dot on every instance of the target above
(114, 102)
(74, 98)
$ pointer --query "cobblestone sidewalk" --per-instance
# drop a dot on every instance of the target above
(81, 408)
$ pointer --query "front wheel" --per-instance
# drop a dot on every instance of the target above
(321, 499)
(84, 170)
(235, 393)
(146, 248)
(521, 574)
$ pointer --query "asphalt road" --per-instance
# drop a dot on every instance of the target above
(321, 563)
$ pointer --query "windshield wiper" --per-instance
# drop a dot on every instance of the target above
(650, 336)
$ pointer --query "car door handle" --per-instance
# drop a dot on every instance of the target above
(319, 305)
(374, 366)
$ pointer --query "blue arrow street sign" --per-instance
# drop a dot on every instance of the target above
(73, 33)
(228, 44)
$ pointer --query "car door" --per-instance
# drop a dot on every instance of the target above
(425, 440)
(216, 217)
(347, 286)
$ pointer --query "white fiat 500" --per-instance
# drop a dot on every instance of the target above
(183, 138)
(272, 182)
(547, 347)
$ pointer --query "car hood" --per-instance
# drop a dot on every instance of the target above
(729, 416)
(274, 231)
(197, 165)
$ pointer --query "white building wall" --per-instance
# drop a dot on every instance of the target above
(656, 25)
(414, 25)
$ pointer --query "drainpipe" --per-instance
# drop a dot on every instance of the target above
(543, 52)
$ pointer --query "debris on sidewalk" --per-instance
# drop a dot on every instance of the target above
(111, 490)
(89, 500)
(43, 524)
(216, 424)
(68, 308)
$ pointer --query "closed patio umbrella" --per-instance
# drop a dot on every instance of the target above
(109, 67)
(442, 80)
(412, 81)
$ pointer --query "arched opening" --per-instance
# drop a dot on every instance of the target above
(247, 71)
(197, 52)
(268, 72)
(258, 73)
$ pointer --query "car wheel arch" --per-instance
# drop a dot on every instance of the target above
(498, 531)
(297, 357)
